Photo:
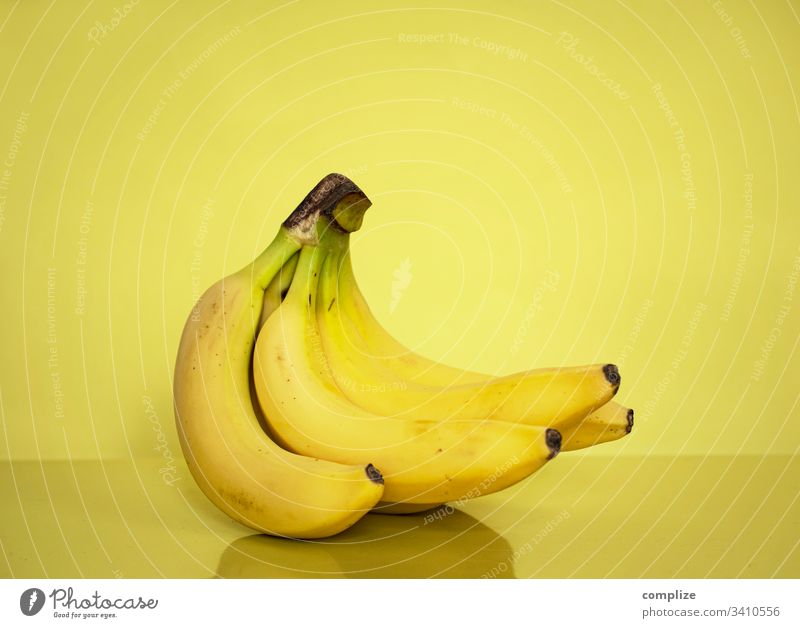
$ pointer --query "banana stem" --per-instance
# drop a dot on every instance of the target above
(335, 204)
(336, 197)
(264, 268)
(278, 288)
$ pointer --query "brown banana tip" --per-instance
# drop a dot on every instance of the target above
(612, 375)
(373, 474)
(321, 200)
(630, 422)
(553, 439)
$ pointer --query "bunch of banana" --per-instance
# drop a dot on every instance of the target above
(284, 416)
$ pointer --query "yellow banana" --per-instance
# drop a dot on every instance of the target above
(235, 463)
(421, 461)
(557, 397)
(278, 288)
(376, 342)
(368, 341)
(609, 422)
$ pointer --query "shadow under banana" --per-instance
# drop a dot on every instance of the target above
(440, 543)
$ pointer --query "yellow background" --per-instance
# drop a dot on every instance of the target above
(643, 154)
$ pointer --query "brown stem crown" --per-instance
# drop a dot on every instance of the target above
(336, 197)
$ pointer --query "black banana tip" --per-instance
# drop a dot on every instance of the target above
(373, 474)
(612, 375)
(630, 422)
(553, 439)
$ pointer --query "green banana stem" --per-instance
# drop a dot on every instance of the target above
(336, 200)
(278, 288)
(264, 268)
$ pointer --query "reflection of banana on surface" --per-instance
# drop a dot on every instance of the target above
(454, 545)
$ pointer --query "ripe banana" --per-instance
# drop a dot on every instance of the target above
(235, 463)
(377, 343)
(278, 288)
(367, 339)
(558, 398)
(609, 422)
(421, 461)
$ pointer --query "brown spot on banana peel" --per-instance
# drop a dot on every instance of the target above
(336, 197)
(630, 422)
(552, 439)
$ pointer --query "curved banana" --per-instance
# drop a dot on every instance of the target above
(231, 458)
(367, 341)
(377, 343)
(608, 423)
(421, 461)
(556, 397)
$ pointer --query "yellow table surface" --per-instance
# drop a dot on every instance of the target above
(581, 516)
